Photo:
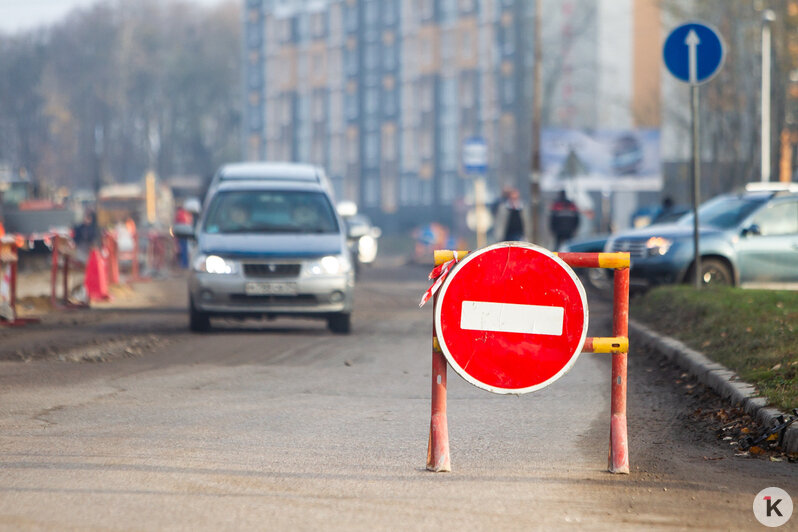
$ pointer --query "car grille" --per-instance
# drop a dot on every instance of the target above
(270, 270)
(301, 299)
(635, 248)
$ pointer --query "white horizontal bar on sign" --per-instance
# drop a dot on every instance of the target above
(509, 317)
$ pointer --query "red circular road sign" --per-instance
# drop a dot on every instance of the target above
(511, 318)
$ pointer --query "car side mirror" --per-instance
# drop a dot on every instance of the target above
(752, 230)
(184, 231)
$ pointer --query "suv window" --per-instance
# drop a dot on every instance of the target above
(272, 211)
(725, 212)
(778, 219)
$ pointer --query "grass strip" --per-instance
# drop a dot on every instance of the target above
(752, 332)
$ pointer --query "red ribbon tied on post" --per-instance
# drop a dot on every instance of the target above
(438, 274)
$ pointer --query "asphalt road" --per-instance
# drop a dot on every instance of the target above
(120, 419)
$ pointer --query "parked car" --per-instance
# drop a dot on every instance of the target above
(268, 248)
(745, 239)
(599, 278)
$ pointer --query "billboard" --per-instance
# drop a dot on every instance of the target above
(601, 159)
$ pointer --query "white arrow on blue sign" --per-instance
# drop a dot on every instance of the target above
(693, 52)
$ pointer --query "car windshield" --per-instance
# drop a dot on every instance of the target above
(272, 211)
(724, 212)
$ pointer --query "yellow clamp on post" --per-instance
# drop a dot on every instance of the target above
(614, 260)
(617, 344)
(445, 255)
(436, 347)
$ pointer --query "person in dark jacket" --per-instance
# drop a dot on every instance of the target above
(563, 219)
(511, 217)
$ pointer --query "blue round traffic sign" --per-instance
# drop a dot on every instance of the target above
(693, 52)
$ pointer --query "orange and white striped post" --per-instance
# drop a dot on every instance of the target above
(618, 459)
(438, 459)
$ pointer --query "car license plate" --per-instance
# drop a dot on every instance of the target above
(264, 289)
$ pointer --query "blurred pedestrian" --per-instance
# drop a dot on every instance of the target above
(563, 219)
(511, 217)
(183, 217)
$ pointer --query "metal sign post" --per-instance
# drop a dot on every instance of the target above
(694, 53)
(475, 162)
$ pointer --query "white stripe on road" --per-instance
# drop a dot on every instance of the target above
(508, 317)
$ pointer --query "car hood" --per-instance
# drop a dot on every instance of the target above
(670, 231)
(282, 245)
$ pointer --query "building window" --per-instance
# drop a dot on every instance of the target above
(336, 112)
(318, 107)
(426, 9)
(389, 145)
(389, 57)
(336, 26)
(389, 12)
(372, 56)
(389, 103)
(351, 106)
(508, 91)
(351, 62)
(371, 149)
(351, 18)
(371, 101)
(370, 13)
(409, 150)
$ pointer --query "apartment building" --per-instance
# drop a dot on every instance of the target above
(383, 93)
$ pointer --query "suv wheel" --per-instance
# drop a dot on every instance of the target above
(340, 323)
(714, 272)
(197, 321)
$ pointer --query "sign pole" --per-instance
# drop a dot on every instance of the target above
(693, 53)
(479, 207)
(695, 120)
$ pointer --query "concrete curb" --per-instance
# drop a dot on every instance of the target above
(716, 376)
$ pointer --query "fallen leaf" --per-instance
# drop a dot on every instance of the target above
(756, 450)
(774, 459)
(745, 430)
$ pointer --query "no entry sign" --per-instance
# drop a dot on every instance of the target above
(511, 318)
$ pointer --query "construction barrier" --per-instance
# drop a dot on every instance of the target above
(438, 457)
(9, 258)
(110, 252)
(63, 258)
(160, 252)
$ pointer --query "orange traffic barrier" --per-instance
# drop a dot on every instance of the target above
(96, 279)
(438, 456)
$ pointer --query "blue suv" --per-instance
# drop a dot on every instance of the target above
(747, 239)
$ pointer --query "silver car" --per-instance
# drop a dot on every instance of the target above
(270, 248)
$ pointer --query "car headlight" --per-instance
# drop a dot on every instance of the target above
(329, 265)
(367, 249)
(214, 264)
(656, 245)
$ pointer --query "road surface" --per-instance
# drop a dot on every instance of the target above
(119, 418)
